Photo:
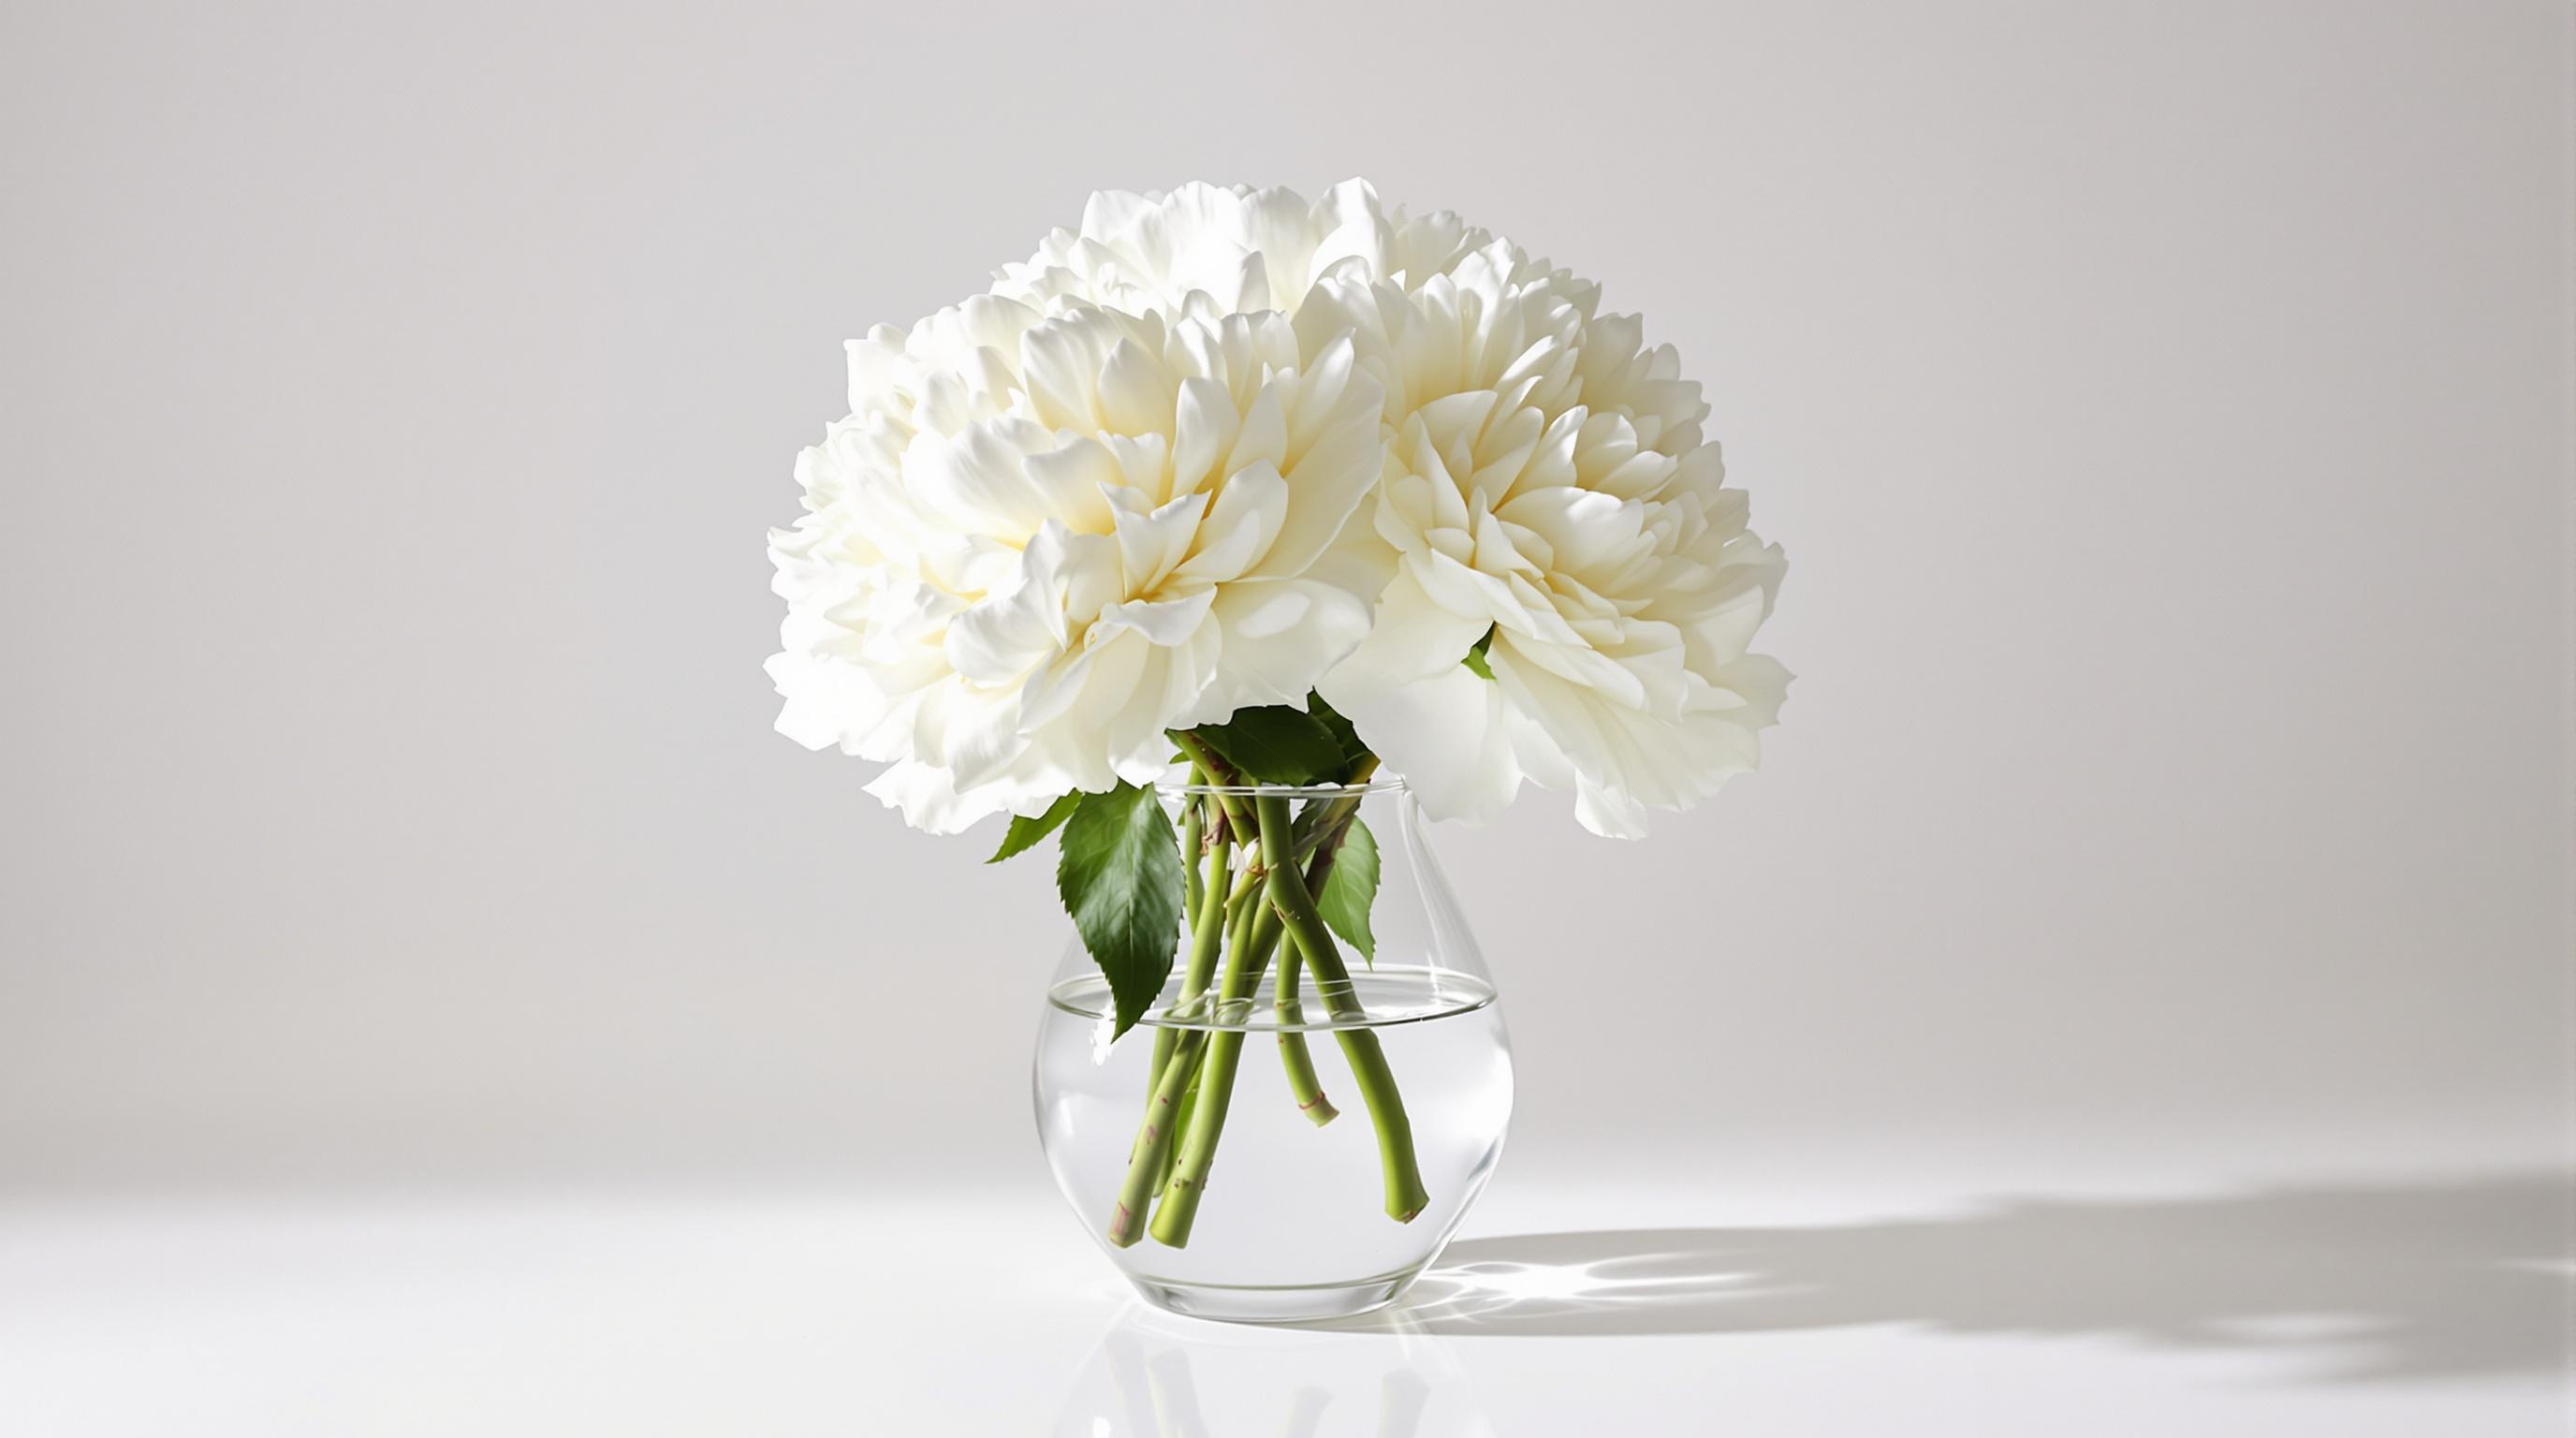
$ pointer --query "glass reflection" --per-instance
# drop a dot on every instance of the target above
(1153, 1375)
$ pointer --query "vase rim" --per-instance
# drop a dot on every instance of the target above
(1389, 785)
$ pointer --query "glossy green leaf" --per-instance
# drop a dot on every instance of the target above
(1351, 888)
(1025, 834)
(1342, 730)
(1119, 874)
(1275, 744)
(1476, 660)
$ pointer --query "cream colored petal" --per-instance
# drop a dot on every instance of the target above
(1164, 621)
(1248, 514)
(1152, 545)
(1280, 636)
(1204, 428)
(1325, 492)
(1447, 734)
(1412, 639)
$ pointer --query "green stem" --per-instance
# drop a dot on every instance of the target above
(1238, 815)
(1256, 933)
(1328, 822)
(1228, 912)
(1303, 1083)
(1324, 825)
(1295, 904)
(1193, 839)
(1180, 1125)
(1154, 1139)
(1207, 931)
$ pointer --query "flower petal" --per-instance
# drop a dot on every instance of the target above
(1448, 734)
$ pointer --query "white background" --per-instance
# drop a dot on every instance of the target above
(2165, 410)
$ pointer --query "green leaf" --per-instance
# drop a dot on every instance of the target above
(1275, 744)
(1476, 660)
(1343, 731)
(1119, 873)
(1351, 888)
(1024, 834)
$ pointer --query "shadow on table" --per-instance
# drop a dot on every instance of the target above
(2365, 1283)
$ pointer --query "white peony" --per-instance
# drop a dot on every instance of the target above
(1022, 564)
(1244, 250)
(1553, 503)
(1040, 540)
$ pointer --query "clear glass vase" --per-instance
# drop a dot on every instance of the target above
(1285, 1135)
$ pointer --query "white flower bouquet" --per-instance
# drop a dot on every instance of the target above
(1234, 489)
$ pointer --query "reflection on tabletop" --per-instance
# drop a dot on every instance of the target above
(1156, 1376)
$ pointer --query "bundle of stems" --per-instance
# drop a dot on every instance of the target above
(1254, 871)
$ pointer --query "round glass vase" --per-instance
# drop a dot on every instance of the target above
(1284, 1135)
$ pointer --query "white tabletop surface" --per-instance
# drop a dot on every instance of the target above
(2422, 1306)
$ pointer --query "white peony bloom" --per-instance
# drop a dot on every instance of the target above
(1039, 540)
(1244, 250)
(1547, 486)
(1117, 494)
